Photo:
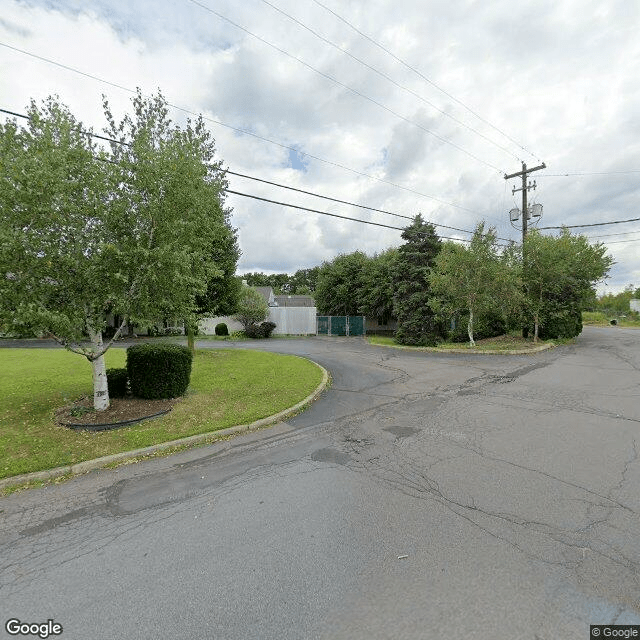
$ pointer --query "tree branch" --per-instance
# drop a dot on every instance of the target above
(73, 347)
(116, 335)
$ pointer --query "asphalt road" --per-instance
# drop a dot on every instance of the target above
(422, 496)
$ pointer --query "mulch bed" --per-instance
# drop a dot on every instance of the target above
(121, 411)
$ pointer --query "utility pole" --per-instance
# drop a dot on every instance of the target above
(525, 216)
(524, 188)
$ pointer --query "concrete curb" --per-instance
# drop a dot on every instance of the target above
(212, 436)
(489, 352)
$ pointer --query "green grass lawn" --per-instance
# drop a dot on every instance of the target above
(228, 387)
(600, 319)
(500, 343)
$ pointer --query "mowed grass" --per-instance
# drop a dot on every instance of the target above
(228, 387)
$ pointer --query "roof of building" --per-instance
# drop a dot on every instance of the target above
(295, 301)
(266, 293)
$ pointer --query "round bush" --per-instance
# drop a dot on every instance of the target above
(222, 329)
(117, 382)
(266, 328)
(160, 370)
(561, 325)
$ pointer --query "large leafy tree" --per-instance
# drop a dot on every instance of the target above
(559, 276)
(223, 288)
(339, 283)
(376, 293)
(474, 279)
(251, 307)
(417, 322)
(87, 231)
(303, 281)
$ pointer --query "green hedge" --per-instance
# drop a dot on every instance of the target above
(160, 370)
(117, 382)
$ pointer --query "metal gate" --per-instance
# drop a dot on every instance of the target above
(341, 325)
(323, 326)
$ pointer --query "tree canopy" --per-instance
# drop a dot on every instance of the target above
(417, 322)
(474, 279)
(338, 284)
(559, 275)
(252, 308)
(88, 231)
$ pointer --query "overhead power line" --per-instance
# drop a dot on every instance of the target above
(619, 241)
(248, 133)
(276, 184)
(594, 224)
(333, 215)
(588, 173)
(425, 78)
(388, 78)
(609, 235)
(353, 204)
(242, 175)
(345, 86)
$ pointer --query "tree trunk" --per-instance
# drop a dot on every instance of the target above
(190, 336)
(100, 388)
(535, 328)
(470, 328)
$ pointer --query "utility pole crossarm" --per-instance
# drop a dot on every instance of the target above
(525, 171)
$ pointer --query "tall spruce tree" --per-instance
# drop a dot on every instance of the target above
(417, 322)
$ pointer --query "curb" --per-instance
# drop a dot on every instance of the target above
(212, 436)
(489, 352)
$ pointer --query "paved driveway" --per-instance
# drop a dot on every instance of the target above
(423, 496)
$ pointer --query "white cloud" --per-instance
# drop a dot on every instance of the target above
(559, 76)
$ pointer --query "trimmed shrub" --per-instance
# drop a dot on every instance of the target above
(160, 370)
(262, 330)
(117, 382)
(267, 328)
(561, 325)
(222, 329)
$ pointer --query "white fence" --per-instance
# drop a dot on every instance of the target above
(208, 325)
(296, 321)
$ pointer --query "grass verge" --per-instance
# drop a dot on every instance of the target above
(600, 319)
(500, 343)
(228, 388)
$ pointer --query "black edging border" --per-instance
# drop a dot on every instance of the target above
(108, 426)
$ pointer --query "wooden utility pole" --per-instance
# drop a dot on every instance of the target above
(525, 213)
(524, 188)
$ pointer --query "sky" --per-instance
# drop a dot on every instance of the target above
(404, 106)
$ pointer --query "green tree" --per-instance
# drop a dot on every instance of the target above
(339, 283)
(617, 303)
(85, 233)
(474, 279)
(303, 281)
(560, 274)
(252, 308)
(376, 293)
(223, 289)
(417, 322)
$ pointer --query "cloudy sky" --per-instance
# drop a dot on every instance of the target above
(405, 106)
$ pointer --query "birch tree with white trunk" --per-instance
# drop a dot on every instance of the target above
(474, 279)
(88, 231)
